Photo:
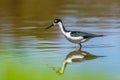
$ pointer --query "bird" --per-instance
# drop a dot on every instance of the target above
(77, 37)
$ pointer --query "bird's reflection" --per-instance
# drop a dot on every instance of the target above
(75, 56)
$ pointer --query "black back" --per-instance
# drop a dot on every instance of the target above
(84, 34)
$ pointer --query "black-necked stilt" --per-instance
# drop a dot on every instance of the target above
(77, 37)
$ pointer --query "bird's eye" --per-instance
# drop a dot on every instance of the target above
(55, 21)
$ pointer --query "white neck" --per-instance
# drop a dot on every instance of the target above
(61, 28)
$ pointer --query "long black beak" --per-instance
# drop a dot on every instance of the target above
(49, 26)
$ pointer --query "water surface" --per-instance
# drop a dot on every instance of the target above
(30, 52)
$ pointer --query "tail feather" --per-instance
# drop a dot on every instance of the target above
(99, 35)
(92, 36)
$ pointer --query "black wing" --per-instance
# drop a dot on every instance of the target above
(84, 34)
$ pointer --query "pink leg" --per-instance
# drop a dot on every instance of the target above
(76, 46)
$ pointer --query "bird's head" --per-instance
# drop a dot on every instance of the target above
(56, 22)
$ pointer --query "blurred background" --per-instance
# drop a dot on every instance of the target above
(30, 52)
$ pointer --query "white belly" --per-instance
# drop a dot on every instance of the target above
(77, 40)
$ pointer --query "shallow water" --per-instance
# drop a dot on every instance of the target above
(30, 52)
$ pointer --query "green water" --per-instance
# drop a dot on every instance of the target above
(30, 52)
